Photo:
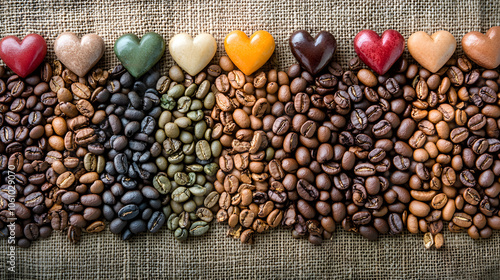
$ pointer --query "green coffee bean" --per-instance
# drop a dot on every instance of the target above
(167, 102)
(196, 105)
(189, 206)
(201, 179)
(176, 158)
(167, 210)
(172, 130)
(198, 228)
(90, 162)
(209, 186)
(184, 220)
(176, 207)
(183, 122)
(269, 154)
(171, 146)
(101, 164)
(208, 134)
(203, 151)
(209, 101)
(203, 89)
(198, 190)
(181, 234)
(160, 136)
(190, 159)
(192, 179)
(162, 163)
(173, 221)
(212, 199)
(181, 178)
(211, 169)
(195, 115)
(174, 168)
(176, 92)
(199, 200)
(186, 137)
(183, 104)
(199, 129)
(216, 148)
(204, 214)
(165, 117)
(193, 216)
(181, 194)
(191, 90)
(194, 168)
(189, 149)
(161, 183)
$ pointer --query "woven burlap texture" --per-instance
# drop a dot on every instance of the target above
(275, 255)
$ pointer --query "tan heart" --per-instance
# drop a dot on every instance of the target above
(192, 55)
(79, 55)
(432, 52)
(483, 49)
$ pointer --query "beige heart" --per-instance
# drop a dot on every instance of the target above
(484, 50)
(79, 55)
(432, 52)
(192, 55)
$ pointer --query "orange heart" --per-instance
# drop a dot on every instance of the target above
(432, 52)
(483, 49)
(249, 54)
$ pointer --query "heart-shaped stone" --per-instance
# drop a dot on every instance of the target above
(432, 52)
(483, 49)
(79, 55)
(192, 55)
(23, 56)
(379, 53)
(249, 54)
(313, 53)
(138, 56)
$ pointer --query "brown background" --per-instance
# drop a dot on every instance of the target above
(275, 255)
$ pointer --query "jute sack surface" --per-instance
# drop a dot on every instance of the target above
(275, 255)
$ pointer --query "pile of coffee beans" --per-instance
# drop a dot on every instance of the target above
(26, 105)
(454, 136)
(187, 156)
(131, 203)
(76, 162)
(373, 154)
(249, 202)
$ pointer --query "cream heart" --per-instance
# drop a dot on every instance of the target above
(79, 55)
(192, 55)
(432, 52)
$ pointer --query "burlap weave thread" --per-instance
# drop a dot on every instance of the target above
(275, 255)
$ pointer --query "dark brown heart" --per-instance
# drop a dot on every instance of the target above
(313, 53)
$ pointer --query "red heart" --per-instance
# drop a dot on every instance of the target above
(23, 56)
(379, 53)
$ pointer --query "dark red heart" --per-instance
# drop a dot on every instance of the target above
(379, 53)
(23, 57)
(313, 53)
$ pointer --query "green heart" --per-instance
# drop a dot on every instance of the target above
(138, 56)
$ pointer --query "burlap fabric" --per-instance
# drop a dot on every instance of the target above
(275, 255)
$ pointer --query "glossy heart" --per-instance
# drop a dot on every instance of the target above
(192, 55)
(483, 49)
(79, 55)
(249, 54)
(313, 53)
(432, 52)
(23, 56)
(138, 56)
(379, 53)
